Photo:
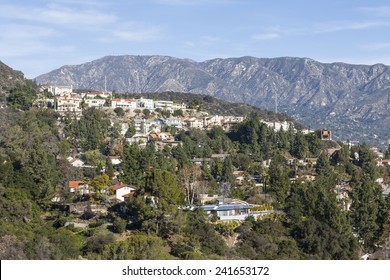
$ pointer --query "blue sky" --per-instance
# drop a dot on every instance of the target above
(39, 36)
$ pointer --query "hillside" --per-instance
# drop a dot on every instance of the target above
(8, 80)
(351, 100)
(215, 106)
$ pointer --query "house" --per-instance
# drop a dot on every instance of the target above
(199, 161)
(78, 187)
(175, 122)
(194, 123)
(325, 134)
(165, 136)
(123, 103)
(234, 211)
(386, 162)
(95, 95)
(212, 121)
(164, 105)
(95, 102)
(277, 126)
(207, 198)
(58, 90)
(75, 162)
(143, 126)
(121, 190)
(143, 103)
(139, 139)
(68, 103)
(115, 160)
(228, 211)
(219, 156)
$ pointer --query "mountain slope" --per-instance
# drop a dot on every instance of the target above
(352, 100)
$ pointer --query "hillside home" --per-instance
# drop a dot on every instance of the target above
(143, 103)
(75, 162)
(194, 123)
(95, 95)
(212, 121)
(58, 90)
(95, 102)
(123, 103)
(146, 126)
(115, 160)
(68, 103)
(121, 190)
(78, 187)
(175, 122)
(325, 134)
(164, 105)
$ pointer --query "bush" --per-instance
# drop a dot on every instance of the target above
(119, 225)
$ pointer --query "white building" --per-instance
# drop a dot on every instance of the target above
(95, 102)
(121, 190)
(143, 103)
(146, 126)
(59, 90)
(164, 105)
(95, 95)
(68, 103)
(194, 123)
(124, 103)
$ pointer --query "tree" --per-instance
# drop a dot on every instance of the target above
(364, 209)
(278, 179)
(191, 181)
(100, 183)
(109, 168)
(146, 113)
(119, 225)
(130, 132)
(299, 147)
(119, 112)
(323, 166)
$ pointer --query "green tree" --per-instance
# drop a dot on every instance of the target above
(119, 225)
(278, 179)
(364, 209)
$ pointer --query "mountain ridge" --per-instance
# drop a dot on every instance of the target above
(352, 100)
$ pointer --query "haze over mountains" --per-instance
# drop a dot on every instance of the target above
(351, 100)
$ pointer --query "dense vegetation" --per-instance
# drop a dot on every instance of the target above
(310, 223)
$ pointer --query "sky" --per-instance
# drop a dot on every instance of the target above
(39, 36)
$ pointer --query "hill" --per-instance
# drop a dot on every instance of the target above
(351, 100)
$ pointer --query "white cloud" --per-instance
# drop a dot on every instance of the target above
(265, 36)
(55, 14)
(22, 40)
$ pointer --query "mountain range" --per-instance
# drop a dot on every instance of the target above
(351, 100)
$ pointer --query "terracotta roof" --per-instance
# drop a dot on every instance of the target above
(119, 186)
(76, 184)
